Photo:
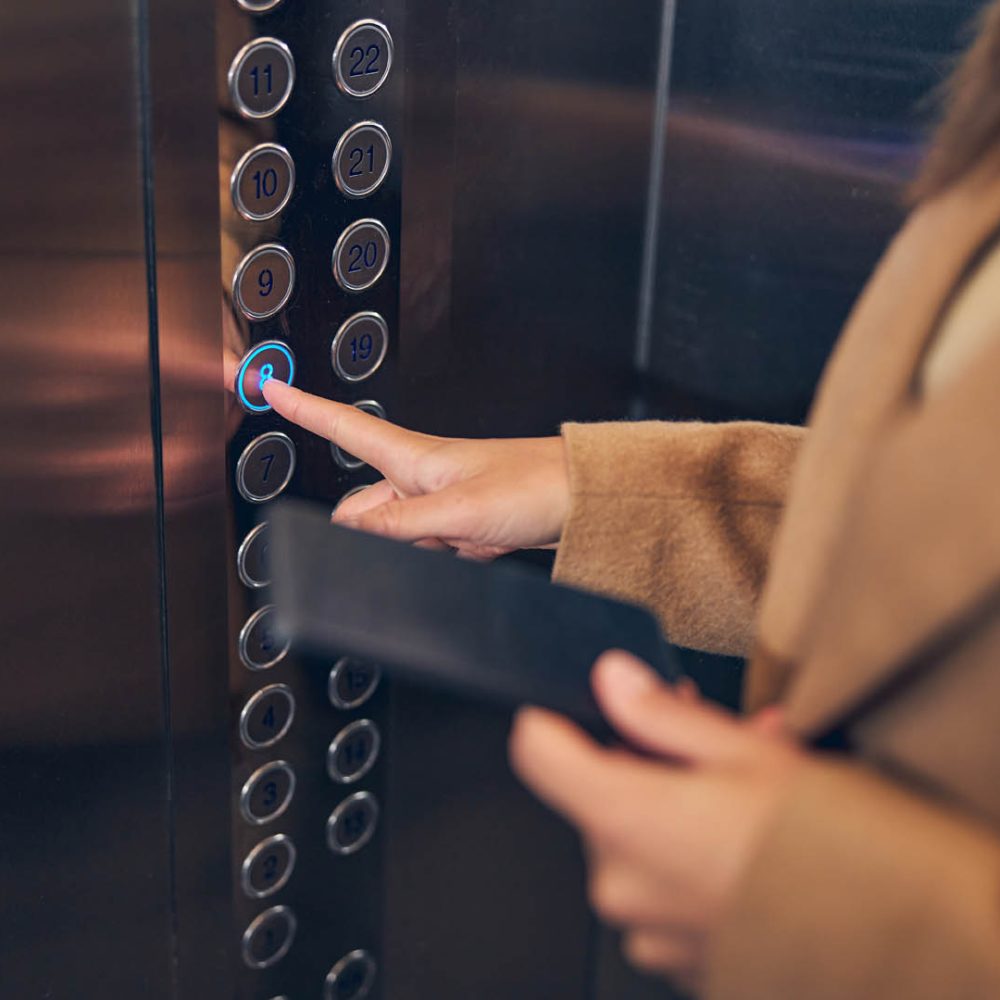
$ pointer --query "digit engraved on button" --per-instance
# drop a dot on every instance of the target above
(265, 468)
(360, 346)
(361, 255)
(267, 716)
(352, 683)
(263, 281)
(267, 793)
(268, 867)
(269, 938)
(361, 159)
(261, 78)
(351, 825)
(260, 646)
(262, 182)
(362, 58)
(353, 752)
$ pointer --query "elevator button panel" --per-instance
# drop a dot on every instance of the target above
(267, 716)
(361, 159)
(311, 165)
(262, 182)
(263, 281)
(361, 255)
(352, 978)
(272, 359)
(252, 558)
(353, 752)
(267, 793)
(352, 683)
(344, 459)
(269, 938)
(352, 824)
(362, 58)
(359, 347)
(268, 867)
(265, 467)
(260, 645)
(261, 78)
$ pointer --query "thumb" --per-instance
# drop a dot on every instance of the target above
(445, 515)
(651, 715)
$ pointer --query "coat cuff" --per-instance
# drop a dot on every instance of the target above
(678, 517)
(862, 891)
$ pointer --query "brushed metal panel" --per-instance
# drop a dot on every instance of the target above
(84, 838)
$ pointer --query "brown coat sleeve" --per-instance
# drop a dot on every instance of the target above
(863, 890)
(678, 517)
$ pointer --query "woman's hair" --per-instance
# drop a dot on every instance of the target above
(969, 135)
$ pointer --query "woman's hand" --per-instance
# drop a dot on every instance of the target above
(667, 839)
(482, 498)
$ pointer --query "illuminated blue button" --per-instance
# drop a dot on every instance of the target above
(272, 359)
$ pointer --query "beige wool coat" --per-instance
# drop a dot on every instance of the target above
(857, 564)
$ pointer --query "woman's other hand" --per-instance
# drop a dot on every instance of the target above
(667, 839)
(481, 498)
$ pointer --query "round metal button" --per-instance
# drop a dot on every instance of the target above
(268, 939)
(350, 493)
(266, 466)
(361, 255)
(267, 716)
(352, 683)
(257, 6)
(344, 459)
(267, 793)
(353, 752)
(272, 359)
(261, 78)
(263, 282)
(352, 978)
(360, 346)
(262, 182)
(251, 559)
(268, 867)
(361, 159)
(352, 824)
(362, 58)
(259, 644)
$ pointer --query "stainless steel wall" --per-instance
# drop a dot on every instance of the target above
(114, 807)
(85, 870)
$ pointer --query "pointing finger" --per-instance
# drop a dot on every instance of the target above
(388, 448)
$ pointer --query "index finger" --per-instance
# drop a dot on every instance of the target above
(373, 440)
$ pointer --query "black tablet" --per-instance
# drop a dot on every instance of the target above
(497, 631)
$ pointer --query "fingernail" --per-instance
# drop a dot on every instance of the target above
(626, 678)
